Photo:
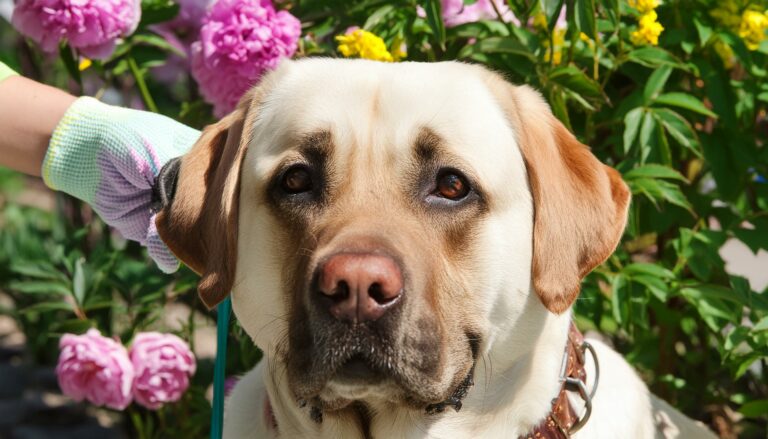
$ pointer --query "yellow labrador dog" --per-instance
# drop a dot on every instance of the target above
(404, 242)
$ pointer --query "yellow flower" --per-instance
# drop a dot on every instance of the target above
(540, 21)
(558, 38)
(648, 30)
(399, 49)
(363, 44)
(753, 27)
(84, 64)
(644, 6)
(728, 13)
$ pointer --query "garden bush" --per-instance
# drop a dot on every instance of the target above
(673, 94)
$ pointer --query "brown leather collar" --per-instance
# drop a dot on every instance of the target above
(563, 420)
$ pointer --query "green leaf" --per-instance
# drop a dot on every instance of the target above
(75, 326)
(38, 269)
(377, 16)
(652, 170)
(40, 287)
(762, 325)
(68, 58)
(656, 286)
(712, 291)
(754, 239)
(157, 11)
(148, 56)
(157, 41)
(655, 270)
(585, 17)
(497, 45)
(78, 281)
(655, 57)
(631, 126)
(656, 83)
(660, 190)
(646, 131)
(684, 100)
(557, 102)
(47, 306)
(574, 79)
(435, 21)
(619, 306)
(679, 128)
(754, 409)
(551, 9)
(711, 306)
(703, 30)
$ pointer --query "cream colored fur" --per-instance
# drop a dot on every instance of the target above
(374, 110)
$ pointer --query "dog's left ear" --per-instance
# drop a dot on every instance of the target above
(580, 205)
(198, 195)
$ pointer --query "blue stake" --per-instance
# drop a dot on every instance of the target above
(219, 371)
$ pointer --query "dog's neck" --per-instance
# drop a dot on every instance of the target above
(512, 393)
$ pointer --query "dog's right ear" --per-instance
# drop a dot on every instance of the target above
(198, 204)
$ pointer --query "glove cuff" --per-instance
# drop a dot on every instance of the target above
(6, 72)
(70, 162)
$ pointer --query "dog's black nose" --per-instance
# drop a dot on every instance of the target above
(360, 287)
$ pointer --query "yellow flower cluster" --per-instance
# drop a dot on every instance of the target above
(558, 40)
(363, 44)
(649, 28)
(752, 28)
(644, 6)
(744, 18)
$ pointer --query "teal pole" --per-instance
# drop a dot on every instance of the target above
(219, 371)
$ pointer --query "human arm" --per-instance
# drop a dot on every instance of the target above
(29, 113)
(105, 155)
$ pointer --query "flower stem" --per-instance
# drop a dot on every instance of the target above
(145, 96)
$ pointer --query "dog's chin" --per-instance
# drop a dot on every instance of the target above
(355, 381)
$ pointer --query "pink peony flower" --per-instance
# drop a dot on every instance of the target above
(163, 364)
(90, 26)
(229, 384)
(455, 12)
(239, 41)
(95, 368)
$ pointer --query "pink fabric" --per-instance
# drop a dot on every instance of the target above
(95, 368)
(163, 364)
(90, 26)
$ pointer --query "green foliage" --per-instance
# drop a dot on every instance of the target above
(685, 122)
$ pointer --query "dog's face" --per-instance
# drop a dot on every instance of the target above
(379, 224)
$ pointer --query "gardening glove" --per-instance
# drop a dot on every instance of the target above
(6, 72)
(109, 157)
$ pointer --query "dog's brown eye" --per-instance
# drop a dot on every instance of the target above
(297, 180)
(452, 186)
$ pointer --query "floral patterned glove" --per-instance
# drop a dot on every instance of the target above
(109, 157)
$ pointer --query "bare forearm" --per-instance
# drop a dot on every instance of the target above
(29, 112)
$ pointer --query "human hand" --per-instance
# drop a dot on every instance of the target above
(109, 157)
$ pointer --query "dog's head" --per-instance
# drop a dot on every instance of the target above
(379, 224)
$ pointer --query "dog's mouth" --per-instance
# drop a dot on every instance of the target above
(335, 368)
(358, 370)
